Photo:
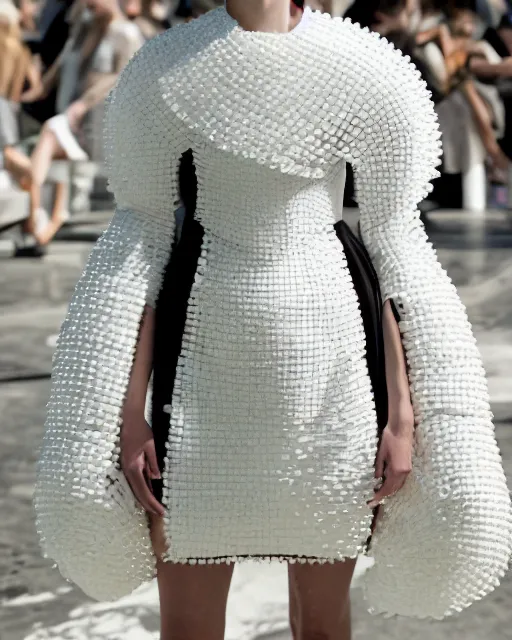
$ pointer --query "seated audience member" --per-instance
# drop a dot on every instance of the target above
(504, 31)
(28, 10)
(150, 16)
(494, 66)
(17, 72)
(54, 25)
(100, 45)
(190, 9)
(471, 114)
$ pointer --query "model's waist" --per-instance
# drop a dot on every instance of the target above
(263, 245)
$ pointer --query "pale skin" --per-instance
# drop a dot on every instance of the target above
(193, 597)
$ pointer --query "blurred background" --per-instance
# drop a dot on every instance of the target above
(58, 62)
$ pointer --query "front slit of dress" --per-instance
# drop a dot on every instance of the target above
(367, 288)
(171, 312)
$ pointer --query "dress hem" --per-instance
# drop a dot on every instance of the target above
(263, 559)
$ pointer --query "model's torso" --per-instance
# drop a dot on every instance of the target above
(247, 205)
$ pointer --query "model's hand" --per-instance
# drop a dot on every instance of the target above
(139, 462)
(394, 458)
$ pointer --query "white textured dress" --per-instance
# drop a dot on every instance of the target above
(272, 435)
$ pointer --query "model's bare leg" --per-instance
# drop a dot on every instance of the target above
(320, 600)
(193, 598)
(47, 149)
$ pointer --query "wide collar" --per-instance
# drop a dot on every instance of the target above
(274, 98)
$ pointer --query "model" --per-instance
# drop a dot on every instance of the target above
(271, 433)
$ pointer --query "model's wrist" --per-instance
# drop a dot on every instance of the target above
(399, 393)
(401, 417)
(133, 411)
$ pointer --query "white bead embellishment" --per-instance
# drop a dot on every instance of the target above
(272, 425)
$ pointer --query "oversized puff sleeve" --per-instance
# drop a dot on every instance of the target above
(86, 514)
(445, 539)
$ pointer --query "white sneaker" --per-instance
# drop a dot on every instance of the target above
(60, 127)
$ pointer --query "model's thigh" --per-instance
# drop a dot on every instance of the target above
(193, 598)
(319, 599)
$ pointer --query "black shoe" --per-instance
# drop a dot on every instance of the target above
(31, 251)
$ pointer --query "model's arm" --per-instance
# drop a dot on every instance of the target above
(138, 456)
(401, 417)
(103, 348)
(135, 401)
(394, 457)
(143, 153)
(457, 486)
(397, 160)
(393, 174)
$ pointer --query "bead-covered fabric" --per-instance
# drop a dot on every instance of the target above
(272, 435)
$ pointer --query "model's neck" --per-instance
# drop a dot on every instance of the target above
(261, 15)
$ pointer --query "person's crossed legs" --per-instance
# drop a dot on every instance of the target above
(46, 151)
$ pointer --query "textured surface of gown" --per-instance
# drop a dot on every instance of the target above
(272, 427)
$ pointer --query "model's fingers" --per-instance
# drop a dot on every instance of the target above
(150, 452)
(391, 485)
(146, 499)
(133, 476)
(379, 464)
(148, 475)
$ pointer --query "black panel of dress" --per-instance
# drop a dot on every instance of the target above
(171, 310)
(172, 304)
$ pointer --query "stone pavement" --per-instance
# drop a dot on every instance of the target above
(36, 604)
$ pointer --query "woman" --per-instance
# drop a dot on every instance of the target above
(264, 430)
(17, 72)
(460, 57)
(150, 16)
(102, 43)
